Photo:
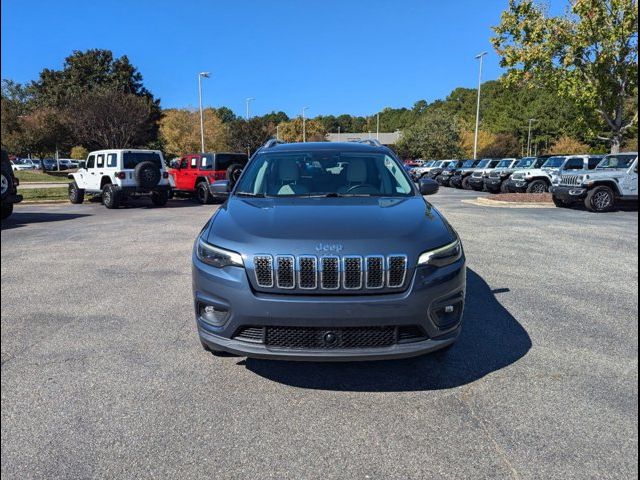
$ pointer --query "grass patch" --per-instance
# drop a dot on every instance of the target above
(44, 193)
(41, 177)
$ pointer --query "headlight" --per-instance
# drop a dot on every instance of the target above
(583, 178)
(217, 257)
(443, 256)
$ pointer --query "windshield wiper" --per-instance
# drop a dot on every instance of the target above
(250, 194)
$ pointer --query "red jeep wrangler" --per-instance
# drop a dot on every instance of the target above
(193, 173)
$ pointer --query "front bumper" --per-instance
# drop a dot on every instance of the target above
(519, 186)
(493, 183)
(569, 194)
(428, 291)
(456, 181)
(476, 182)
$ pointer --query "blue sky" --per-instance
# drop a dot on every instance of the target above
(334, 56)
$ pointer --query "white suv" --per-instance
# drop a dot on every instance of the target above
(119, 174)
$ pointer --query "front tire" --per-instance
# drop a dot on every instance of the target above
(7, 210)
(160, 198)
(504, 188)
(111, 196)
(560, 203)
(600, 199)
(76, 194)
(538, 186)
(465, 184)
(203, 196)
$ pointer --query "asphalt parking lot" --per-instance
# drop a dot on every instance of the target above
(103, 374)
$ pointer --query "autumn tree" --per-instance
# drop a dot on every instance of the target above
(180, 131)
(433, 136)
(249, 135)
(568, 145)
(589, 55)
(292, 131)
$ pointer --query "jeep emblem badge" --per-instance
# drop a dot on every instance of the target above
(329, 247)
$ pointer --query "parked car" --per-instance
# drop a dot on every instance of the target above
(293, 265)
(9, 186)
(117, 175)
(51, 164)
(416, 172)
(68, 164)
(493, 181)
(435, 171)
(22, 164)
(476, 179)
(614, 180)
(194, 173)
(423, 171)
(459, 177)
(444, 177)
(539, 180)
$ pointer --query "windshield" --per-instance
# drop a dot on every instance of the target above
(504, 164)
(526, 162)
(437, 164)
(429, 163)
(131, 159)
(468, 164)
(617, 161)
(452, 166)
(554, 162)
(483, 163)
(324, 173)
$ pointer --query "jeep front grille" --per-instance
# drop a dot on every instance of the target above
(350, 272)
(569, 180)
(495, 174)
(477, 174)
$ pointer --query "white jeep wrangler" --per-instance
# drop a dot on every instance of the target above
(117, 175)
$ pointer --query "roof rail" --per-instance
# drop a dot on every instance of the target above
(272, 142)
(370, 141)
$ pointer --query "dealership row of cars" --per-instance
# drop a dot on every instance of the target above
(48, 164)
(598, 181)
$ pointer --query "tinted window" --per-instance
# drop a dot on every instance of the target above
(183, 163)
(493, 163)
(574, 164)
(225, 160)
(91, 161)
(593, 162)
(620, 160)
(131, 159)
(112, 160)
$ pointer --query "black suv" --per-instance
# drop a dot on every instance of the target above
(9, 184)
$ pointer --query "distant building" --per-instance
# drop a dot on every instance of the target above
(384, 138)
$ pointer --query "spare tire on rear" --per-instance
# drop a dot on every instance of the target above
(233, 173)
(147, 174)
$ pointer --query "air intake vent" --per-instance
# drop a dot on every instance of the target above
(308, 272)
(330, 273)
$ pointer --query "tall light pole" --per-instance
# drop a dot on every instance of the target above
(304, 124)
(200, 76)
(531, 120)
(480, 56)
(249, 100)
(377, 126)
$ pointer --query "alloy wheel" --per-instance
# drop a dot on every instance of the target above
(602, 200)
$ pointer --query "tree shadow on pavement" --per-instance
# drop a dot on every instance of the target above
(19, 219)
(491, 339)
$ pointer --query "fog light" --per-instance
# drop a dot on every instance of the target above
(449, 309)
(215, 316)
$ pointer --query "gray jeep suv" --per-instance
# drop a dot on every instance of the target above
(328, 251)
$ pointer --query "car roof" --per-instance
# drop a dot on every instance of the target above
(326, 146)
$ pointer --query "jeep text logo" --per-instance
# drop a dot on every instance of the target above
(329, 247)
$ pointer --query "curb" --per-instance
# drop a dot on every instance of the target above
(43, 202)
(485, 202)
(45, 183)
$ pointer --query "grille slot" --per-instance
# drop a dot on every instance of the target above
(412, 333)
(251, 334)
(352, 273)
(570, 180)
(375, 272)
(302, 338)
(330, 273)
(396, 270)
(307, 272)
(285, 274)
(263, 265)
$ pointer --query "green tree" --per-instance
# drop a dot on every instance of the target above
(589, 55)
(292, 131)
(79, 153)
(180, 132)
(248, 136)
(433, 136)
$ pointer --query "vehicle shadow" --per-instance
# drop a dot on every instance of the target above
(173, 203)
(491, 339)
(19, 219)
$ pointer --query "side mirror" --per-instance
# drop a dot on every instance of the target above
(220, 188)
(428, 186)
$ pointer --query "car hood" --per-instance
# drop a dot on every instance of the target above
(316, 226)
(600, 174)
